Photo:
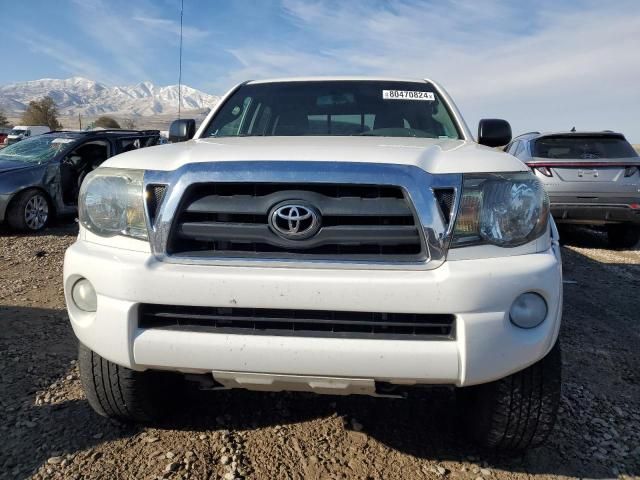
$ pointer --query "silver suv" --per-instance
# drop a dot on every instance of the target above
(592, 178)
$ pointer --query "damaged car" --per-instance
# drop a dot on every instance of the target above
(40, 177)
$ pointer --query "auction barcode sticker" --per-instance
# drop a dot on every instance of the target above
(407, 95)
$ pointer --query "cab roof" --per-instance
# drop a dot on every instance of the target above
(338, 78)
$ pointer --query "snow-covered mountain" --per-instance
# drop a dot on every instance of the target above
(79, 95)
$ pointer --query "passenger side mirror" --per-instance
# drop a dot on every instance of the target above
(182, 130)
(494, 132)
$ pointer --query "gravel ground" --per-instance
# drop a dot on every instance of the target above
(49, 431)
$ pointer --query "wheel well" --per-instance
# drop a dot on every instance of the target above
(52, 207)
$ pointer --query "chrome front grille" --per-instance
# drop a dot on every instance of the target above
(358, 222)
(154, 197)
(446, 201)
(374, 216)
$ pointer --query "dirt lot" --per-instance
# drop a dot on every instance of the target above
(48, 430)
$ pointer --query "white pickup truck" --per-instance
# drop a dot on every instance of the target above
(341, 236)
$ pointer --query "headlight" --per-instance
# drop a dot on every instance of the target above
(507, 210)
(111, 203)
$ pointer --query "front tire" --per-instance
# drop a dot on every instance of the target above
(517, 412)
(29, 211)
(118, 392)
(623, 236)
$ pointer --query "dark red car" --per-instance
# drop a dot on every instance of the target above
(3, 135)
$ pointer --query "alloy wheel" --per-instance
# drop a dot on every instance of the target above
(36, 212)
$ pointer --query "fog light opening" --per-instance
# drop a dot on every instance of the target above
(84, 296)
(528, 310)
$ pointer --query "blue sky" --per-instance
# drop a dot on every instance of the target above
(542, 65)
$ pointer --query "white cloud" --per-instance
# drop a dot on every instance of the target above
(161, 26)
(115, 34)
(66, 55)
(133, 41)
(549, 67)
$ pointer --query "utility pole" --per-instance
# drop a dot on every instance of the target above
(79, 121)
(180, 62)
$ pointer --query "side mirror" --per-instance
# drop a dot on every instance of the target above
(494, 132)
(182, 130)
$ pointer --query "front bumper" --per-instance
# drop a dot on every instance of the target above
(594, 214)
(479, 292)
(595, 209)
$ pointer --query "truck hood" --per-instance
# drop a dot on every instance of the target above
(432, 155)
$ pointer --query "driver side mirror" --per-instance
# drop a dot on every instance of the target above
(182, 130)
(494, 132)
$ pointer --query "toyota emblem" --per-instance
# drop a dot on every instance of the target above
(293, 221)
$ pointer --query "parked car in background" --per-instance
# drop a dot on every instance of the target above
(4, 132)
(20, 132)
(41, 176)
(592, 178)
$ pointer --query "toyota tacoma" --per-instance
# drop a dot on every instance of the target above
(340, 236)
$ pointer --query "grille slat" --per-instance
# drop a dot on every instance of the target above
(348, 206)
(254, 233)
(299, 322)
(363, 222)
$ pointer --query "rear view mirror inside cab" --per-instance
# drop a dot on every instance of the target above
(336, 99)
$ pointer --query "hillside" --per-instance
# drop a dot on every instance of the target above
(86, 97)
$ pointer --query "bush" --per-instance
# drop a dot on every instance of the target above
(42, 112)
(4, 121)
(106, 122)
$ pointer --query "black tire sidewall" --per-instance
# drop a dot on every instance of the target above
(118, 392)
(16, 211)
(623, 236)
(483, 408)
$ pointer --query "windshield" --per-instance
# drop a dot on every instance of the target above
(335, 108)
(36, 149)
(16, 132)
(583, 147)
